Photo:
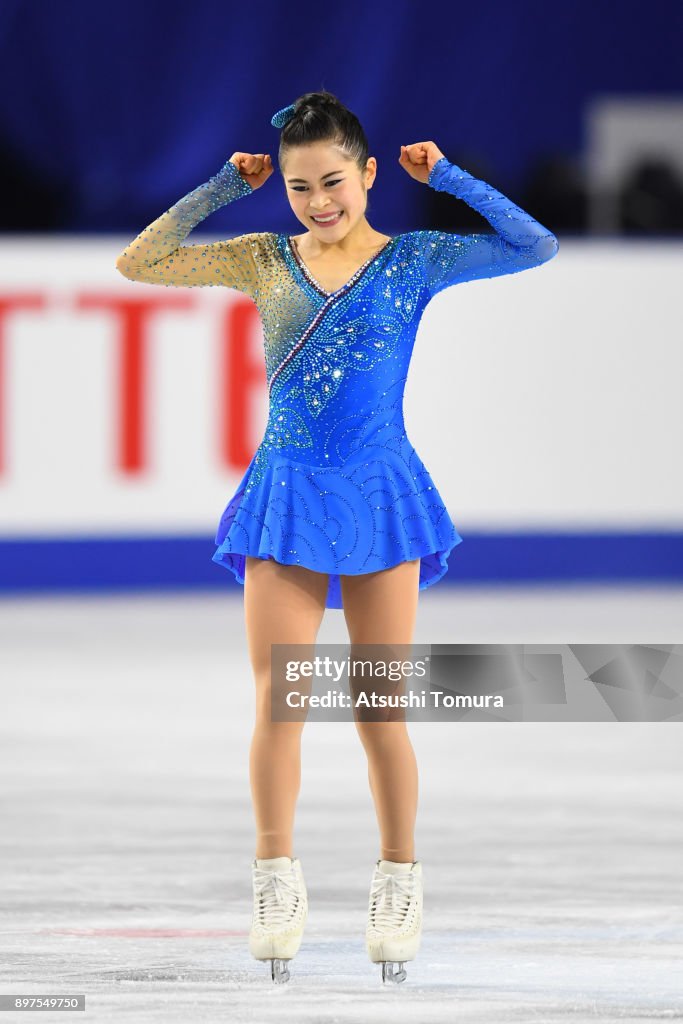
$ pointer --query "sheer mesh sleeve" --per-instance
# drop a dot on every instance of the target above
(157, 257)
(519, 242)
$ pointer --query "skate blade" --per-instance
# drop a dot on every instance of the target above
(279, 970)
(393, 971)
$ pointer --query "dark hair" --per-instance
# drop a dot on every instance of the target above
(321, 117)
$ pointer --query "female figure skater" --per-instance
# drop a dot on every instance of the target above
(335, 509)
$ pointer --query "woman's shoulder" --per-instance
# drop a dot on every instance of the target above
(259, 244)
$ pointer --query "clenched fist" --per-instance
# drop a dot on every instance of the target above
(419, 158)
(255, 168)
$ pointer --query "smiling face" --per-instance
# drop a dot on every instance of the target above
(321, 181)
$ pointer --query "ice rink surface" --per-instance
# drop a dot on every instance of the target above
(551, 852)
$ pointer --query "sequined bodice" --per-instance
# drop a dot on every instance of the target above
(337, 363)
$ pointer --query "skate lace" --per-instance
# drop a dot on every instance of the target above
(277, 895)
(390, 899)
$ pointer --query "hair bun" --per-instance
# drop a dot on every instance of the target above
(322, 100)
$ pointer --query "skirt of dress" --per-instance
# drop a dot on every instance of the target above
(367, 515)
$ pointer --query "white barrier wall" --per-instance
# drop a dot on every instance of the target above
(549, 398)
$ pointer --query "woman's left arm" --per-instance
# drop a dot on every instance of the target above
(519, 243)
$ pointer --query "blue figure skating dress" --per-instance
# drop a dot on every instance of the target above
(336, 485)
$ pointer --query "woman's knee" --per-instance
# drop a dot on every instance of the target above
(277, 734)
(273, 708)
(381, 736)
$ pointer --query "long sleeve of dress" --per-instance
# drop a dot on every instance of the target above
(519, 242)
(156, 256)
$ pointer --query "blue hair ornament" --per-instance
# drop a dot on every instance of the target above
(280, 119)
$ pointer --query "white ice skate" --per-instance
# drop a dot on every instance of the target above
(394, 916)
(280, 912)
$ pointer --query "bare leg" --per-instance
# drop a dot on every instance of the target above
(282, 604)
(380, 608)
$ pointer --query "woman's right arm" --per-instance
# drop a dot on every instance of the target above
(156, 256)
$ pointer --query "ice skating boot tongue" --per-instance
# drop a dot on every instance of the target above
(274, 863)
(392, 867)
